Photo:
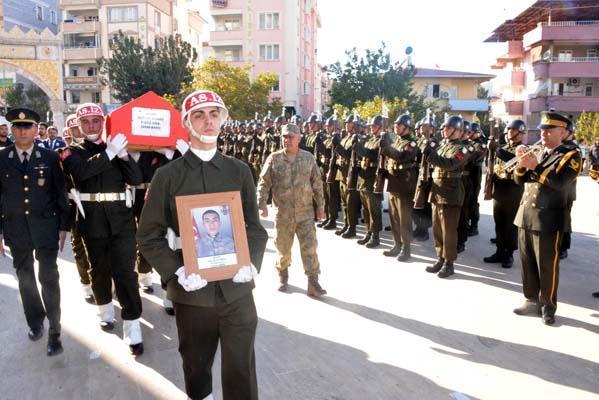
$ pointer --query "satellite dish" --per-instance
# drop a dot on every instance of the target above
(409, 50)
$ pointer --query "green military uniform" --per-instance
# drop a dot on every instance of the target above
(476, 171)
(467, 182)
(350, 199)
(223, 310)
(447, 195)
(402, 178)
(323, 153)
(368, 152)
(542, 219)
(423, 216)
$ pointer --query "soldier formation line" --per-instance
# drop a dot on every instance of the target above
(119, 208)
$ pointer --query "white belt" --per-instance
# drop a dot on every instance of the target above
(103, 196)
(174, 241)
(142, 185)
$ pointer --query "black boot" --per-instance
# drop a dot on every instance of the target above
(508, 260)
(473, 230)
(54, 345)
(461, 247)
(563, 254)
(322, 223)
(436, 267)
(447, 270)
(365, 239)
(332, 224)
(394, 252)
(341, 231)
(405, 254)
(497, 257)
(374, 241)
(349, 233)
(420, 235)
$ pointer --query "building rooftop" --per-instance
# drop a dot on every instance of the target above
(542, 11)
(442, 73)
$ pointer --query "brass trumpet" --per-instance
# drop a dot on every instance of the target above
(512, 164)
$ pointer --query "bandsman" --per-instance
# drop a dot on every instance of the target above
(476, 162)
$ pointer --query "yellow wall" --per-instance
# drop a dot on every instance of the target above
(465, 88)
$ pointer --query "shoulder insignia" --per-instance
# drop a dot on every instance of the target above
(11, 154)
(413, 144)
(464, 150)
(575, 165)
(66, 153)
(459, 156)
(38, 154)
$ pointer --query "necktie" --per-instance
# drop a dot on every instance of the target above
(25, 160)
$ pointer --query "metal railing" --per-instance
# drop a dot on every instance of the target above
(569, 23)
(575, 59)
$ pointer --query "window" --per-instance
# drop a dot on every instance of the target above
(268, 21)
(76, 99)
(275, 87)
(306, 5)
(74, 72)
(269, 52)
(565, 55)
(436, 90)
(118, 14)
(591, 53)
(306, 61)
(96, 97)
(560, 89)
(306, 87)
(91, 71)
(157, 18)
(39, 13)
(53, 17)
(588, 90)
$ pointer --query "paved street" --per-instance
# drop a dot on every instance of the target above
(387, 330)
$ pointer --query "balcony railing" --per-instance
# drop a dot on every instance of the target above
(76, 27)
(569, 23)
(65, 3)
(574, 59)
(81, 80)
(82, 53)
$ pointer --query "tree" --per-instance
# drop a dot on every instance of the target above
(362, 78)
(242, 95)
(29, 96)
(133, 70)
(483, 117)
(587, 126)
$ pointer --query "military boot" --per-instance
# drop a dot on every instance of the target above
(332, 224)
(283, 278)
(314, 288)
(447, 270)
(473, 230)
(393, 252)
(350, 232)
(374, 241)
(322, 223)
(405, 254)
(365, 239)
(341, 231)
(529, 307)
(497, 257)
(508, 260)
(436, 267)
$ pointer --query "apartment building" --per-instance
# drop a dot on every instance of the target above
(30, 14)
(89, 24)
(551, 60)
(277, 36)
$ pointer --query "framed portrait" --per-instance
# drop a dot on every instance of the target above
(213, 235)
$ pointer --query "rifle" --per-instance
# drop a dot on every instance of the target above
(354, 169)
(332, 173)
(423, 186)
(488, 190)
(381, 172)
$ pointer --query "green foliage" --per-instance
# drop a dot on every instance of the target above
(362, 78)
(243, 96)
(587, 126)
(30, 96)
(133, 70)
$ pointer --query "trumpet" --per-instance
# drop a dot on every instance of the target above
(512, 164)
(594, 172)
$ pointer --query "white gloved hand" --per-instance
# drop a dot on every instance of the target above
(123, 153)
(245, 274)
(182, 146)
(191, 282)
(115, 145)
(135, 155)
(165, 151)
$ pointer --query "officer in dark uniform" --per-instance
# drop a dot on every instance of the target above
(219, 311)
(423, 216)
(4, 139)
(447, 192)
(476, 174)
(506, 197)
(35, 217)
(567, 237)
(324, 157)
(542, 217)
(100, 172)
(464, 217)
(402, 177)
(367, 148)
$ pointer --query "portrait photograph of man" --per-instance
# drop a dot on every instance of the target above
(213, 236)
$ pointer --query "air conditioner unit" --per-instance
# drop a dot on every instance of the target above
(573, 82)
(444, 95)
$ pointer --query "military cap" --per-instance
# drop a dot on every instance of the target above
(553, 120)
(376, 120)
(332, 121)
(313, 119)
(475, 127)
(280, 119)
(290, 130)
(404, 119)
(466, 125)
(454, 121)
(517, 124)
(22, 117)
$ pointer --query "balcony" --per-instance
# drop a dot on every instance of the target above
(81, 27)
(227, 7)
(515, 51)
(226, 36)
(565, 104)
(81, 82)
(82, 53)
(514, 107)
(562, 31)
(469, 105)
(518, 77)
(577, 67)
(68, 3)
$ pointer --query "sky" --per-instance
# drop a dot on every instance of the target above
(446, 34)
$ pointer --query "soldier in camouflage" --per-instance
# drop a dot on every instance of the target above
(294, 179)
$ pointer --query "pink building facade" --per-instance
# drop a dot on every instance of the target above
(551, 60)
(277, 36)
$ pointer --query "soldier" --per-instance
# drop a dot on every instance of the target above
(476, 171)
(542, 217)
(294, 178)
(401, 184)
(463, 224)
(350, 199)
(100, 171)
(214, 243)
(220, 311)
(447, 193)
(327, 162)
(4, 139)
(567, 236)
(368, 151)
(593, 161)
(35, 218)
(506, 197)
(423, 217)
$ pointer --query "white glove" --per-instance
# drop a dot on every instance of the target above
(191, 282)
(115, 145)
(245, 274)
(182, 146)
(168, 153)
(135, 155)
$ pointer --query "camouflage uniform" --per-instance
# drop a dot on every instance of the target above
(217, 245)
(294, 184)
